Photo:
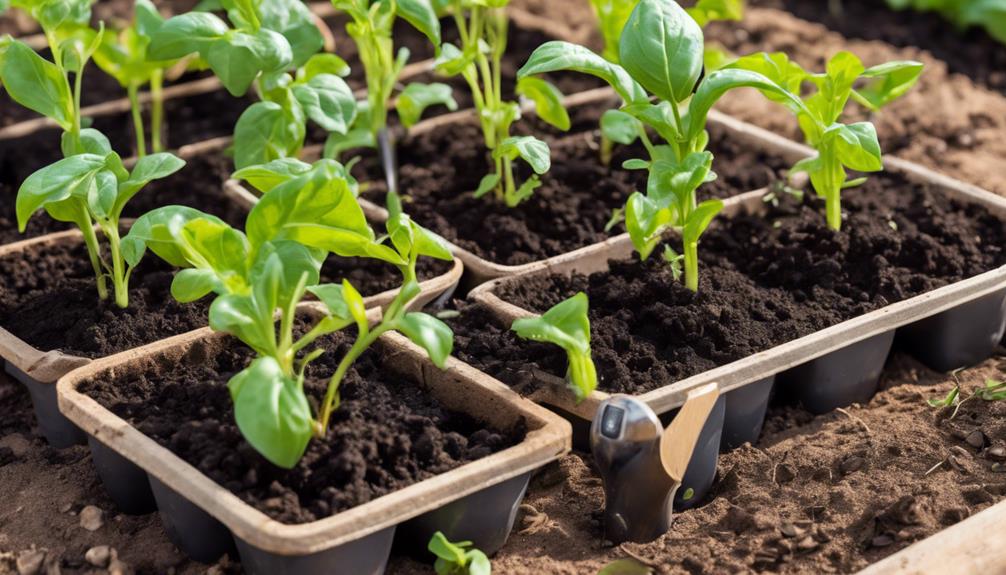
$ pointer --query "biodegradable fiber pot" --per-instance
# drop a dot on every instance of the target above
(476, 501)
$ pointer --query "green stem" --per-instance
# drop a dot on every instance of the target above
(157, 110)
(119, 282)
(134, 104)
(607, 150)
(691, 253)
(833, 208)
(94, 252)
(359, 346)
(511, 187)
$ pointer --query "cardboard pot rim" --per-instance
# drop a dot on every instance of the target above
(789, 354)
(548, 438)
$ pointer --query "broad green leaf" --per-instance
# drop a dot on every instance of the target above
(332, 296)
(699, 219)
(36, 83)
(186, 34)
(161, 230)
(328, 101)
(661, 48)
(192, 284)
(534, 151)
(547, 101)
(857, 146)
(679, 180)
(238, 58)
(92, 141)
(101, 194)
(416, 97)
(778, 68)
(422, 16)
(323, 64)
(147, 169)
(645, 220)
(453, 553)
(355, 304)
(706, 11)
(408, 237)
(558, 55)
(625, 567)
(337, 143)
(272, 412)
(265, 177)
(452, 61)
(487, 184)
(620, 127)
(265, 132)
(429, 333)
(888, 82)
(296, 263)
(56, 182)
(294, 21)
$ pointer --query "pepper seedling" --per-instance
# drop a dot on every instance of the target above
(274, 46)
(302, 217)
(566, 325)
(661, 60)
(457, 558)
(123, 56)
(370, 27)
(483, 28)
(987, 14)
(840, 147)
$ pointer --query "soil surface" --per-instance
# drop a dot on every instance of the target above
(440, 169)
(387, 434)
(768, 280)
(48, 298)
(372, 276)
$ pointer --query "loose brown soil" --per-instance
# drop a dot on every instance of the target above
(372, 276)
(387, 434)
(769, 280)
(440, 169)
(48, 299)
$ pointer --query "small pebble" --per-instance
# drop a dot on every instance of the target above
(98, 556)
(852, 464)
(92, 518)
(30, 562)
(790, 530)
(882, 540)
(976, 439)
(807, 544)
(997, 452)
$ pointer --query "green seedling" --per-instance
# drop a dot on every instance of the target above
(304, 215)
(626, 566)
(123, 56)
(987, 14)
(457, 558)
(483, 28)
(567, 326)
(661, 60)
(840, 147)
(370, 27)
(992, 390)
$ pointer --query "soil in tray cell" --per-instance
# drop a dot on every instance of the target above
(769, 280)
(48, 299)
(439, 171)
(387, 433)
(372, 276)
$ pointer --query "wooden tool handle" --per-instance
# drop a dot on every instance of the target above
(678, 440)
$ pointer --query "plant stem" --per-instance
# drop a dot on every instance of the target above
(119, 281)
(607, 150)
(833, 209)
(134, 104)
(359, 346)
(691, 253)
(156, 110)
(94, 252)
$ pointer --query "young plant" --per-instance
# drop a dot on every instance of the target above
(302, 217)
(840, 147)
(457, 558)
(273, 45)
(370, 28)
(987, 14)
(123, 56)
(567, 326)
(483, 27)
(661, 55)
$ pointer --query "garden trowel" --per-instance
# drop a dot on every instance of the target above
(641, 463)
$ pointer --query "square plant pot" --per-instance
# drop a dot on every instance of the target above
(476, 501)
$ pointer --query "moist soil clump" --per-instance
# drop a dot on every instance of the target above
(387, 434)
(569, 211)
(48, 299)
(769, 279)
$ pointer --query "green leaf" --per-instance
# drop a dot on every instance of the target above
(265, 132)
(416, 97)
(101, 194)
(679, 180)
(328, 101)
(662, 48)
(558, 55)
(332, 296)
(238, 58)
(91, 141)
(706, 11)
(186, 237)
(567, 326)
(272, 412)
(265, 177)
(857, 146)
(295, 22)
(625, 567)
(147, 169)
(186, 34)
(534, 151)
(645, 221)
(547, 101)
(323, 64)
(487, 184)
(612, 16)
(422, 16)
(192, 284)
(620, 127)
(73, 176)
(452, 61)
(887, 83)
(36, 84)
(452, 553)
(429, 333)
(699, 219)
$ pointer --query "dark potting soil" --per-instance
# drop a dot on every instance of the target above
(48, 299)
(766, 280)
(372, 277)
(973, 52)
(440, 169)
(387, 434)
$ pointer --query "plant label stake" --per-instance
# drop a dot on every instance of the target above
(642, 464)
(389, 159)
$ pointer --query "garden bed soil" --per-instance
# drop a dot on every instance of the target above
(946, 122)
(972, 53)
(440, 169)
(372, 276)
(386, 435)
(49, 300)
(766, 280)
